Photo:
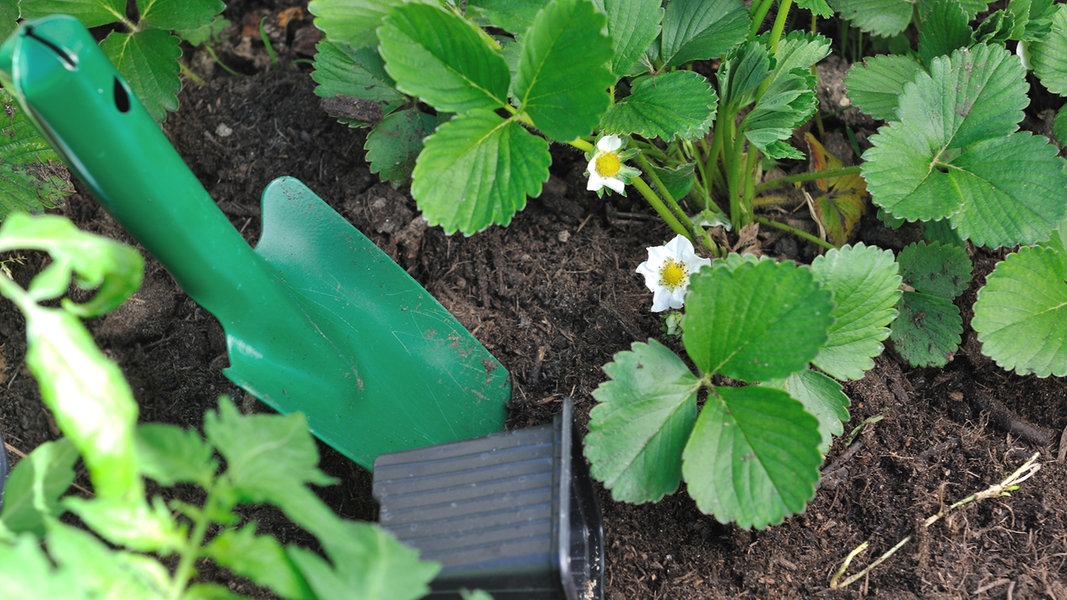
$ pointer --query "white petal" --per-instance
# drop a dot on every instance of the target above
(650, 274)
(660, 300)
(615, 184)
(596, 182)
(609, 143)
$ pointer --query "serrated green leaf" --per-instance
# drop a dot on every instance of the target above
(941, 270)
(515, 17)
(679, 104)
(1059, 126)
(1049, 55)
(170, 455)
(477, 170)
(743, 69)
(358, 72)
(865, 283)
(786, 104)
(9, 16)
(32, 177)
(260, 558)
(368, 562)
(148, 61)
(637, 431)
(884, 18)
(944, 29)
(874, 87)
(131, 522)
(797, 50)
(210, 33)
(753, 458)
(563, 71)
(266, 455)
(955, 153)
(633, 25)
(822, 398)
(91, 14)
(927, 331)
(1021, 312)
(352, 22)
(32, 492)
(395, 143)
(177, 14)
(817, 7)
(701, 29)
(735, 320)
(442, 59)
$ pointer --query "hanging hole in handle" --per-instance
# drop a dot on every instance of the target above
(122, 97)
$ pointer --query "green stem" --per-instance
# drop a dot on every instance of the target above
(186, 71)
(750, 177)
(800, 233)
(758, 15)
(187, 562)
(665, 194)
(660, 208)
(807, 176)
(779, 24)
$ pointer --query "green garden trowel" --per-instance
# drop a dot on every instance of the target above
(317, 318)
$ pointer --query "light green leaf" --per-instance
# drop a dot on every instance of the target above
(105, 573)
(941, 270)
(442, 59)
(477, 170)
(91, 14)
(633, 25)
(9, 16)
(563, 71)
(394, 144)
(797, 50)
(701, 29)
(679, 104)
(884, 18)
(148, 61)
(33, 489)
(170, 455)
(92, 260)
(955, 153)
(32, 176)
(1021, 313)
(358, 72)
(1059, 126)
(787, 103)
(131, 522)
(753, 458)
(178, 14)
(822, 397)
(736, 319)
(927, 331)
(28, 573)
(944, 29)
(352, 22)
(1049, 55)
(515, 17)
(865, 282)
(874, 87)
(266, 455)
(368, 562)
(260, 558)
(637, 432)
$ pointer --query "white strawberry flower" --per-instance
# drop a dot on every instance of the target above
(667, 272)
(606, 167)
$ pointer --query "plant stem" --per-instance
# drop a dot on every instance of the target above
(186, 564)
(779, 24)
(758, 15)
(807, 176)
(665, 195)
(800, 233)
(660, 208)
(193, 76)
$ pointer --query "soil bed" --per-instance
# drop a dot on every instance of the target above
(554, 296)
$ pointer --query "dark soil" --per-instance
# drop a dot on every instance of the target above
(554, 296)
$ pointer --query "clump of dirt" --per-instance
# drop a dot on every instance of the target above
(554, 296)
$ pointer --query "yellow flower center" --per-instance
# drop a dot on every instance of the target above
(608, 164)
(672, 274)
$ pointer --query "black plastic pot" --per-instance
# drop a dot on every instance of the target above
(514, 514)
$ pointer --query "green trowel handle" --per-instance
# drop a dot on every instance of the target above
(73, 93)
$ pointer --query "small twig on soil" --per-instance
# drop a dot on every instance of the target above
(839, 462)
(1005, 419)
(1004, 488)
(1062, 454)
